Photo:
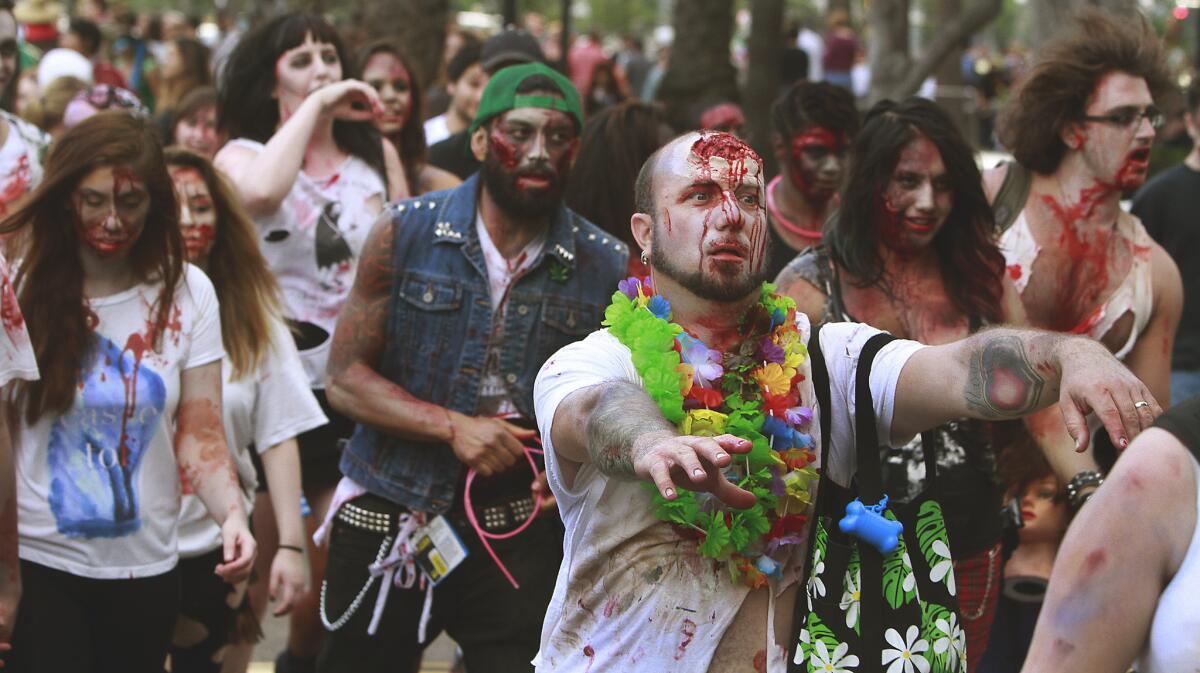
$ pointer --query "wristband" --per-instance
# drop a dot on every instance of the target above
(295, 548)
(1080, 481)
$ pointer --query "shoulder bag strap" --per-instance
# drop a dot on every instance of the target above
(868, 481)
(1010, 199)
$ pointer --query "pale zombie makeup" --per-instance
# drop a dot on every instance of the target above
(529, 154)
(711, 235)
(918, 198)
(388, 76)
(302, 70)
(198, 132)
(816, 158)
(197, 213)
(110, 206)
(1116, 141)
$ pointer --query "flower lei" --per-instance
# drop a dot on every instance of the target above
(751, 392)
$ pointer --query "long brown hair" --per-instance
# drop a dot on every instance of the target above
(410, 140)
(245, 287)
(50, 276)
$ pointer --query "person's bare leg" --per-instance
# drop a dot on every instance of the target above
(238, 656)
(306, 632)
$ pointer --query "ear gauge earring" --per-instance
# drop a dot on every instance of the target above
(646, 257)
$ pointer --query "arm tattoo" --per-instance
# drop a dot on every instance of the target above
(362, 325)
(1001, 381)
(623, 413)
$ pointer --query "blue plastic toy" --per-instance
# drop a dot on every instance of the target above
(867, 523)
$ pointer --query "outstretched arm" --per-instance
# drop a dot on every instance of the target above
(1112, 566)
(619, 429)
(1008, 373)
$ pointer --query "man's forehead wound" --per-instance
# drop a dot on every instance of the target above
(732, 160)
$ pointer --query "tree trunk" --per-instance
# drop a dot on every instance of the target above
(699, 71)
(418, 27)
(766, 50)
(887, 51)
(902, 77)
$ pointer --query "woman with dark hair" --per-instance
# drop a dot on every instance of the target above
(912, 252)
(314, 174)
(126, 416)
(383, 66)
(194, 123)
(614, 145)
(266, 403)
(185, 66)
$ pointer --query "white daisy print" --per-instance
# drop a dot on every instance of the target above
(954, 642)
(838, 662)
(943, 568)
(852, 598)
(905, 655)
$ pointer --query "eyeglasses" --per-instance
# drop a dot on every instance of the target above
(1128, 117)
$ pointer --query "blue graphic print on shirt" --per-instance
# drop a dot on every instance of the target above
(96, 447)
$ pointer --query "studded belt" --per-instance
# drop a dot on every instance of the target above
(368, 520)
(497, 518)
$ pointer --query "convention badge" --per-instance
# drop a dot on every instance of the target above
(437, 549)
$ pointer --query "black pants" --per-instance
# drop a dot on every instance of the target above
(205, 614)
(497, 627)
(72, 624)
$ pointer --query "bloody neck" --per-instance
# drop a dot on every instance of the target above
(713, 322)
(792, 210)
(1077, 198)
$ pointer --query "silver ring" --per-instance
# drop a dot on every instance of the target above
(1143, 404)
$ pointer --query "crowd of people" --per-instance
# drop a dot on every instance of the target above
(510, 358)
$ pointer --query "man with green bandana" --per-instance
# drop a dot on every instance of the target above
(460, 297)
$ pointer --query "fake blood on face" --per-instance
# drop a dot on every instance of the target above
(805, 168)
(722, 159)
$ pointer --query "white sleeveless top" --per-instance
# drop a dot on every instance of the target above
(1136, 292)
(1174, 642)
(312, 245)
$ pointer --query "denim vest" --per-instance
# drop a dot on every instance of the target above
(440, 322)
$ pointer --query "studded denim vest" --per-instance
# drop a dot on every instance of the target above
(440, 323)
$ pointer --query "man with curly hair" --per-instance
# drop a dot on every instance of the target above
(1080, 127)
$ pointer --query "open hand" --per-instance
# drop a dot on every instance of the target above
(694, 463)
(1093, 381)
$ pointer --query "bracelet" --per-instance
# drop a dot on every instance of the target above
(295, 548)
(1080, 481)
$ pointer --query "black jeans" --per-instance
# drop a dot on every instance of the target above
(497, 627)
(72, 624)
(205, 615)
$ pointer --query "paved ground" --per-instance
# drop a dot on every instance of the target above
(438, 656)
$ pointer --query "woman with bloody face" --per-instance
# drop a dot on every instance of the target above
(813, 125)
(912, 252)
(384, 67)
(313, 173)
(127, 414)
(266, 403)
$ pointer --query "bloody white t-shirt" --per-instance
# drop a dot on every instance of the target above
(16, 351)
(98, 489)
(20, 160)
(262, 408)
(632, 594)
(312, 245)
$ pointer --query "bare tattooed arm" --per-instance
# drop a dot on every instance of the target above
(1008, 373)
(618, 428)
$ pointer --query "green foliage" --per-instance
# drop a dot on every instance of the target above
(716, 540)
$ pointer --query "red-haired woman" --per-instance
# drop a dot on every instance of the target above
(127, 414)
(266, 403)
